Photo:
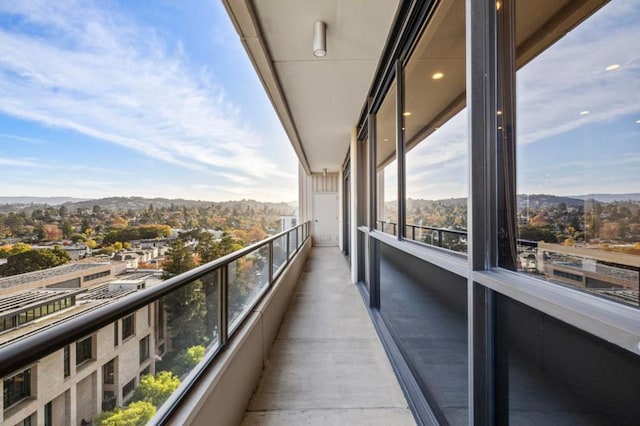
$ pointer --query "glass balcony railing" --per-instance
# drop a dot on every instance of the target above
(108, 360)
(452, 239)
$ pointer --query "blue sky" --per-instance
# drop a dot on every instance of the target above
(121, 98)
(159, 98)
(578, 124)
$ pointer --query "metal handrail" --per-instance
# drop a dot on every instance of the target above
(428, 228)
(31, 348)
(441, 231)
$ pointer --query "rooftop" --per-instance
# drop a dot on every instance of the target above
(29, 277)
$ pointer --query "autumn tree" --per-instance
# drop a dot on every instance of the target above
(155, 389)
(13, 249)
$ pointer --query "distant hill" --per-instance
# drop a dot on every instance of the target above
(546, 200)
(8, 204)
(141, 203)
(610, 198)
(52, 201)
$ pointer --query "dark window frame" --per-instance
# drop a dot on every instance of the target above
(16, 388)
(128, 326)
(84, 350)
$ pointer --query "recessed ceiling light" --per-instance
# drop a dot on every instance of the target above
(638, 121)
(499, 127)
(584, 112)
(406, 114)
(386, 140)
(437, 75)
(613, 67)
(499, 112)
(498, 5)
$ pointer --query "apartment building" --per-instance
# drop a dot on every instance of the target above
(95, 373)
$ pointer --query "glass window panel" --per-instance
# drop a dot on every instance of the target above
(279, 253)
(435, 132)
(128, 326)
(16, 388)
(144, 349)
(84, 350)
(578, 157)
(425, 308)
(549, 372)
(248, 279)
(387, 169)
(109, 372)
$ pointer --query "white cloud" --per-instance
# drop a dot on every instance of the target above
(97, 73)
(571, 76)
(13, 162)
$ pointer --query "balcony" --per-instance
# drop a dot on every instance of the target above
(278, 318)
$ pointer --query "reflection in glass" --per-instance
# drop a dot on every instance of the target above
(578, 155)
(279, 253)
(425, 308)
(387, 169)
(435, 136)
(248, 278)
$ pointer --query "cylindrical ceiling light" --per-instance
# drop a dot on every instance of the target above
(319, 39)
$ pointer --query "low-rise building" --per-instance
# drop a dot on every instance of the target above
(97, 373)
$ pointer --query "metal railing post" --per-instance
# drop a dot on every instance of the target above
(287, 261)
(270, 267)
(223, 306)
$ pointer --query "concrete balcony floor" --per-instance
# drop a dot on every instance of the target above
(327, 365)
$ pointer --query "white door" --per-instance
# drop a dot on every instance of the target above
(325, 219)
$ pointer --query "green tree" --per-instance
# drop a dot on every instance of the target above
(156, 389)
(178, 260)
(12, 250)
(35, 260)
(136, 414)
(189, 358)
(67, 228)
(186, 307)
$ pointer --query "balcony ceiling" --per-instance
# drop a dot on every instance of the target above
(318, 100)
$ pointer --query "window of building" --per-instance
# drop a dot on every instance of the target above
(8, 323)
(17, 388)
(128, 388)
(30, 420)
(577, 156)
(115, 334)
(95, 276)
(109, 372)
(84, 350)
(128, 326)
(108, 400)
(48, 414)
(144, 349)
(145, 371)
(161, 319)
(386, 165)
(435, 132)
(67, 361)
